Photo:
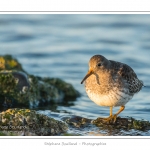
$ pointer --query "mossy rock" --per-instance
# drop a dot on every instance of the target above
(7, 62)
(77, 121)
(123, 123)
(120, 124)
(68, 90)
(29, 122)
(14, 88)
(18, 88)
(43, 93)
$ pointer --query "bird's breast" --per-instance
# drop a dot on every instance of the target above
(106, 92)
(113, 98)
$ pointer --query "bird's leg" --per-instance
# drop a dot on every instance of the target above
(110, 116)
(113, 117)
(111, 110)
(120, 110)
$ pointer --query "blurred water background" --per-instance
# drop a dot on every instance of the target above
(61, 46)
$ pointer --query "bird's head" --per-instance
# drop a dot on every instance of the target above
(97, 63)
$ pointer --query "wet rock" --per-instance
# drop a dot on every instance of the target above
(68, 90)
(122, 126)
(18, 88)
(43, 93)
(124, 123)
(15, 78)
(14, 86)
(29, 122)
(77, 121)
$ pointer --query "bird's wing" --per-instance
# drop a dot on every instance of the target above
(128, 74)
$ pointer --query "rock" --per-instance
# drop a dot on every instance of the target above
(77, 121)
(17, 78)
(66, 88)
(43, 93)
(14, 87)
(122, 126)
(2, 63)
(9, 63)
(18, 88)
(29, 122)
(124, 123)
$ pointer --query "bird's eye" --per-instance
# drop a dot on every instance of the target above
(99, 64)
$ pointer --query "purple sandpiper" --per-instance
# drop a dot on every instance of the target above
(110, 83)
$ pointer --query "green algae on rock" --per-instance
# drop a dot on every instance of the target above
(29, 122)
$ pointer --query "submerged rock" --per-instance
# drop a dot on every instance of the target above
(18, 88)
(29, 122)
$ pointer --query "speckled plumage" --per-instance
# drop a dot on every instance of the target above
(110, 83)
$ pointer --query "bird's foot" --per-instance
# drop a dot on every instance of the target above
(110, 119)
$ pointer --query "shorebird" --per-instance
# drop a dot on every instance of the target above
(110, 83)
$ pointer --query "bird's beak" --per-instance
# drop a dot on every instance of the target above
(90, 72)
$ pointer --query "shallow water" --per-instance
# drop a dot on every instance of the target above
(61, 46)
